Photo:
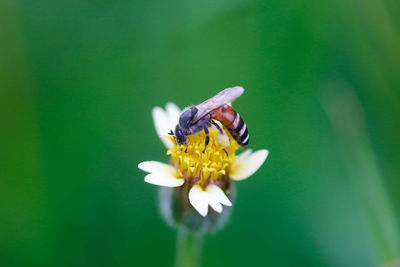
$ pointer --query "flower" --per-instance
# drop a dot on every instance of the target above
(207, 175)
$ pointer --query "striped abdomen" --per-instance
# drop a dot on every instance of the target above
(233, 122)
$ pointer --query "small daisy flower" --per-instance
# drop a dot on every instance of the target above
(205, 175)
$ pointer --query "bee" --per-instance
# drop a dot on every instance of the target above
(204, 115)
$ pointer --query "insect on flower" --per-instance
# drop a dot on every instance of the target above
(201, 117)
(202, 151)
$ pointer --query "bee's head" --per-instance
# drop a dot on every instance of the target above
(180, 136)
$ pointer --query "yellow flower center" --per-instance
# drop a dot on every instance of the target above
(197, 167)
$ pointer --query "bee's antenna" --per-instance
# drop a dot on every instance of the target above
(171, 132)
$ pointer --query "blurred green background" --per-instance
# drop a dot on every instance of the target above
(78, 81)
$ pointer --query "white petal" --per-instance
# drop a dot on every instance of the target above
(198, 199)
(163, 179)
(163, 125)
(215, 205)
(161, 120)
(165, 121)
(244, 155)
(216, 193)
(173, 113)
(249, 165)
(155, 166)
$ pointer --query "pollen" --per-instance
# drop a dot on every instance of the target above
(197, 167)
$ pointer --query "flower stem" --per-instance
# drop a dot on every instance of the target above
(188, 248)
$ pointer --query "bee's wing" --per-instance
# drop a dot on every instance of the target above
(227, 95)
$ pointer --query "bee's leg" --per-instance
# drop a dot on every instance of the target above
(226, 152)
(207, 138)
(216, 126)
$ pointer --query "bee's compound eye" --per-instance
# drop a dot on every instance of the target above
(180, 136)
